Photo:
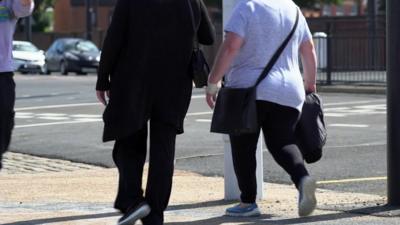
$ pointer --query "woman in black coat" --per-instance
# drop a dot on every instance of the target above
(144, 73)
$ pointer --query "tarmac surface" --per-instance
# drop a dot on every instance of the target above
(35, 190)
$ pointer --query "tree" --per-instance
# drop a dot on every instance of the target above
(42, 20)
(381, 6)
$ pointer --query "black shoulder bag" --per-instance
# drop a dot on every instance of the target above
(198, 63)
(235, 111)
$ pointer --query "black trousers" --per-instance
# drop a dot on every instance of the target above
(129, 155)
(278, 124)
(7, 101)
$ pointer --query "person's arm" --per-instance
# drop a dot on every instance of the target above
(226, 53)
(309, 61)
(112, 47)
(206, 32)
(22, 8)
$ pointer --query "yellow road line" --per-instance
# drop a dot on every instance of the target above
(351, 180)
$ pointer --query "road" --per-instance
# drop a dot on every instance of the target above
(59, 117)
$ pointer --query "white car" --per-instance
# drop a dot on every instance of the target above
(28, 58)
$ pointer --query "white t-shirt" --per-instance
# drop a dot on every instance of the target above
(264, 24)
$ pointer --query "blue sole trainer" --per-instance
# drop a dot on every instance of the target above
(238, 211)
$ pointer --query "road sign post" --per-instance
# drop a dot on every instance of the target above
(393, 101)
(28, 28)
(89, 11)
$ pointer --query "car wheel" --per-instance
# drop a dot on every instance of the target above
(63, 68)
(45, 70)
(81, 73)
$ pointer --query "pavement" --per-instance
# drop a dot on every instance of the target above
(35, 190)
(359, 88)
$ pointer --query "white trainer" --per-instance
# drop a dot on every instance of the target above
(307, 199)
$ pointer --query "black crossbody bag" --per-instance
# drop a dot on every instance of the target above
(198, 63)
(235, 111)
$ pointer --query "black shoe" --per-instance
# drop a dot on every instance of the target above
(134, 214)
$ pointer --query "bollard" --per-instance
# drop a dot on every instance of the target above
(232, 191)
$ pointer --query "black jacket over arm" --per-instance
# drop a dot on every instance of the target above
(145, 61)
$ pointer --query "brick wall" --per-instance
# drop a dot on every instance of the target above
(70, 19)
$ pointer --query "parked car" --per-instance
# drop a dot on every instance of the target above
(27, 57)
(72, 55)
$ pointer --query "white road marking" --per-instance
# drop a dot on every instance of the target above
(341, 111)
(62, 117)
(334, 115)
(53, 118)
(199, 113)
(354, 102)
(379, 106)
(51, 114)
(76, 105)
(51, 124)
(336, 109)
(348, 125)
(356, 110)
(352, 180)
(23, 117)
(86, 116)
(56, 106)
(203, 120)
(198, 96)
(89, 120)
(23, 113)
(358, 145)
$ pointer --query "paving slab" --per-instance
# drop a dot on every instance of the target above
(85, 196)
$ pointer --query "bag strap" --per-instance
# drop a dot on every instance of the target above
(196, 41)
(278, 52)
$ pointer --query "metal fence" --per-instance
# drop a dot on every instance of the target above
(350, 59)
(350, 49)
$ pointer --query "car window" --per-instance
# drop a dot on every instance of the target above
(52, 47)
(86, 46)
(70, 45)
(81, 45)
(25, 47)
(59, 46)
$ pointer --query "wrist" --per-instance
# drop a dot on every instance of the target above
(212, 88)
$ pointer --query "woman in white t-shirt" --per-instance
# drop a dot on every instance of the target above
(253, 34)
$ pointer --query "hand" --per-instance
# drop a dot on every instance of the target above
(211, 94)
(25, 2)
(101, 96)
(211, 98)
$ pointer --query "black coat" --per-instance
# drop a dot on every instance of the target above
(145, 63)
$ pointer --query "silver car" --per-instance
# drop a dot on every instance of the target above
(28, 58)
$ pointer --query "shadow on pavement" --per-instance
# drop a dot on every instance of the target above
(268, 219)
(263, 219)
(200, 205)
(64, 219)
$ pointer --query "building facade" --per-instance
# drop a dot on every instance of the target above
(70, 15)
